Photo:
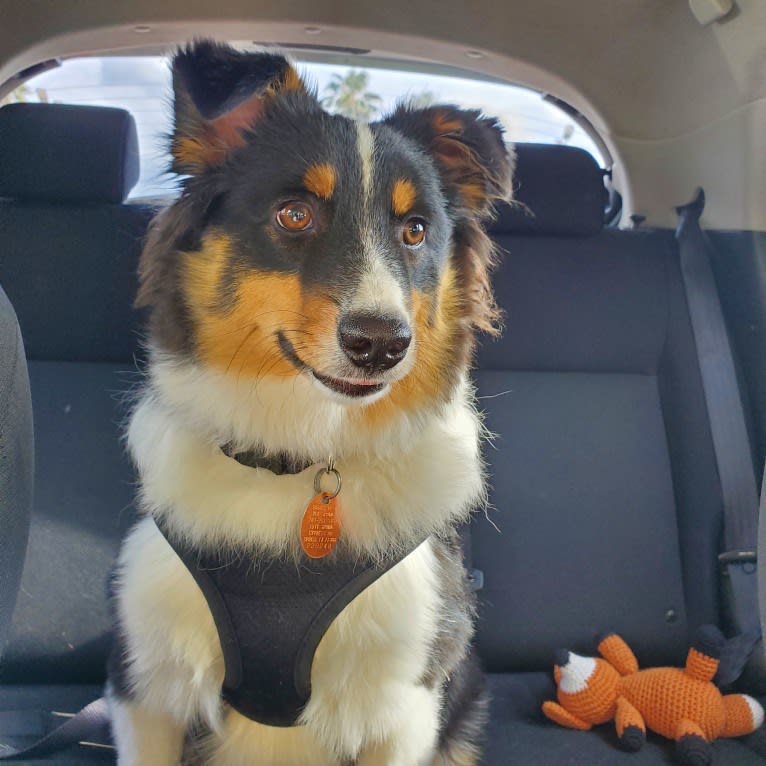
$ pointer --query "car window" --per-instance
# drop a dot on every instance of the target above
(141, 84)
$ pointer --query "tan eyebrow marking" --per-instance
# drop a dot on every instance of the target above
(319, 179)
(403, 196)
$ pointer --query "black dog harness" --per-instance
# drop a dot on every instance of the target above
(270, 617)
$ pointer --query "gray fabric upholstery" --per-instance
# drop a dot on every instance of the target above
(67, 153)
(604, 480)
(739, 264)
(70, 266)
(79, 262)
(557, 191)
(16, 461)
(83, 507)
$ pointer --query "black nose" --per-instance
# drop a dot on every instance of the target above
(374, 342)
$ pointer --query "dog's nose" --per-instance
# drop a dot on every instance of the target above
(373, 342)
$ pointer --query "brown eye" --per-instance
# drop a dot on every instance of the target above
(294, 216)
(414, 232)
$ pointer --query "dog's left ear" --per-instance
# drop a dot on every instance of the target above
(475, 164)
(219, 92)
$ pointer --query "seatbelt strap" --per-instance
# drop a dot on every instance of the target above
(89, 727)
(762, 553)
(727, 418)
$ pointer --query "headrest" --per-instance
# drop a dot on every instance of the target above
(63, 153)
(558, 191)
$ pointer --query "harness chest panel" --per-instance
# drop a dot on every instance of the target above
(270, 617)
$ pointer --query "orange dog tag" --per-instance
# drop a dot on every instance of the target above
(320, 528)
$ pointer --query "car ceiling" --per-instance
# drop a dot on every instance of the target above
(679, 104)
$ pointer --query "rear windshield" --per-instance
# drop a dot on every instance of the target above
(141, 84)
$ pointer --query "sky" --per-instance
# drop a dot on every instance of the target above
(142, 85)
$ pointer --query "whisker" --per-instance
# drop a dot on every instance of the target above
(239, 348)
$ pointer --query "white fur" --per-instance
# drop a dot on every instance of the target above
(143, 736)
(756, 711)
(366, 145)
(402, 481)
(378, 291)
(576, 673)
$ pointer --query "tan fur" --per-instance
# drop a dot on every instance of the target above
(403, 196)
(320, 179)
(239, 339)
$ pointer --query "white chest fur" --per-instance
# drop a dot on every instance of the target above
(399, 488)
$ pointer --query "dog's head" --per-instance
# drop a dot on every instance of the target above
(309, 247)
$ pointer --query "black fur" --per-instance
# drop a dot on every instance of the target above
(217, 78)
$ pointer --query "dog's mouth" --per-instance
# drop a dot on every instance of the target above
(355, 388)
(348, 387)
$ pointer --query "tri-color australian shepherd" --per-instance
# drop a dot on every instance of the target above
(313, 297)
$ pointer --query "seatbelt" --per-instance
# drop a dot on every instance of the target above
(727, 421)
(761, 575)
(89, 727)
(475, 576)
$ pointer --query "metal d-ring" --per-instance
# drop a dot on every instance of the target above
(318, 481)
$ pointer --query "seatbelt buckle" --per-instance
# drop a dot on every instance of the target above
(476, 579)
(739, 604)
(740, 590)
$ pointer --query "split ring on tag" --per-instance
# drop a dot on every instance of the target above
(324, 472)
(320, 527)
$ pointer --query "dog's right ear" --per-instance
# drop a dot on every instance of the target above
(219, 92)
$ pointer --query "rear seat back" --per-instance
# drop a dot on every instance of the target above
(604, 478)
(68, 262)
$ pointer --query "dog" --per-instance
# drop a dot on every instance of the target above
(313, 297)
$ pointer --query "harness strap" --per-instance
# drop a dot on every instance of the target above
(270, 617)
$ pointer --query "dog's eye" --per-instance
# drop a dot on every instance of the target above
(294, 216)
(414, 232)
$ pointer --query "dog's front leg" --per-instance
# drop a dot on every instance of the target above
(144, 737)
(412, 737)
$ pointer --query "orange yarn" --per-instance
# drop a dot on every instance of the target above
(681, 704)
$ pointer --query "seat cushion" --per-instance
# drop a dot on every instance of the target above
(520, 734)
(82, 507)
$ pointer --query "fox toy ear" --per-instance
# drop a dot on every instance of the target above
(471, 155)
(218, 92)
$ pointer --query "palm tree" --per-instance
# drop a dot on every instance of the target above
(349, 96)
(23, 94)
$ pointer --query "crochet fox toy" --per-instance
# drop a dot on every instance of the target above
(681, 704)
